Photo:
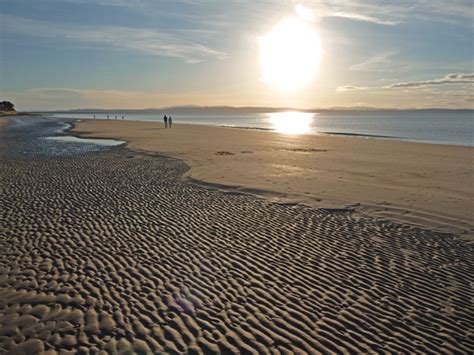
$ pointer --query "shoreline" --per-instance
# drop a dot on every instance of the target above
(318, 133)
(342, 134)
(418, 197)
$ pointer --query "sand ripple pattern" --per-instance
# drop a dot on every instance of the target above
(111, 252)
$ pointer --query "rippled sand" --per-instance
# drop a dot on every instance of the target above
(112, 252)
(423, 184)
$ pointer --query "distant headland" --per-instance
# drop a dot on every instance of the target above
(7, 108)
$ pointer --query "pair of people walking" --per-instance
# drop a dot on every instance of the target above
(168, 121)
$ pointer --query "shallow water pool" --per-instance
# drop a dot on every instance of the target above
(73, 139)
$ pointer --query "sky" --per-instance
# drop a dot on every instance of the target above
(66, 54)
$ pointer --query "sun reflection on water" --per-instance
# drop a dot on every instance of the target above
(291, 122)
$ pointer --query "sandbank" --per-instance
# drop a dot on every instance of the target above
(425, 184)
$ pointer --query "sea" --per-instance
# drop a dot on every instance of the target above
(453, 127)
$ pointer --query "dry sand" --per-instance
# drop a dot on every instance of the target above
(425, 184)
(113, 253)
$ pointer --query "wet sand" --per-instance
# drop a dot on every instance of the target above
(113, 252)
(425, 184)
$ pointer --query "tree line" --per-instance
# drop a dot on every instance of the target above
(7, 106)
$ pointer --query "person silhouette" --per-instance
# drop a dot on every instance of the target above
(165, 120)
(107, 116)
(170, 120)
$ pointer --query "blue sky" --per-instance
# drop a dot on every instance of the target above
(153, 53)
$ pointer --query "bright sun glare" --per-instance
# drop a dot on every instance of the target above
(290, 54)
(291, 122)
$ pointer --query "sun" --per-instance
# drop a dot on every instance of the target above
(290, 54)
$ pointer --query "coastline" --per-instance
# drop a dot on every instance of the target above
(417, 183)
(7, 114)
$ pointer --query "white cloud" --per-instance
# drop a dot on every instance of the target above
(372, 11)
(178, 44)
(392, 13)
(353, 10)
(118, 3)
(304, 13)
(350, 88)
(366, 18)
(461, 8)
(455, 78)
(377, 63)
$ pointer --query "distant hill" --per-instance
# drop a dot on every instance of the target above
(222, 110)
(188, 109)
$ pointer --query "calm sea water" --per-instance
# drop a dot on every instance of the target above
(443, 127)
(37, 136)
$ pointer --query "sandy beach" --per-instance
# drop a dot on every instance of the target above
(426, 184)
(236, 177)
(3, 122)
(115, 252)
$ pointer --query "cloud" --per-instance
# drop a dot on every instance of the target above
(377, 63)
(304, 12)
(372, 11)
(366, 18)
(455, 78)
(185, 45)
(117, 3)
(365, 11)
(350, 88)
(457, 8)
(54, 93)
(392, 13)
